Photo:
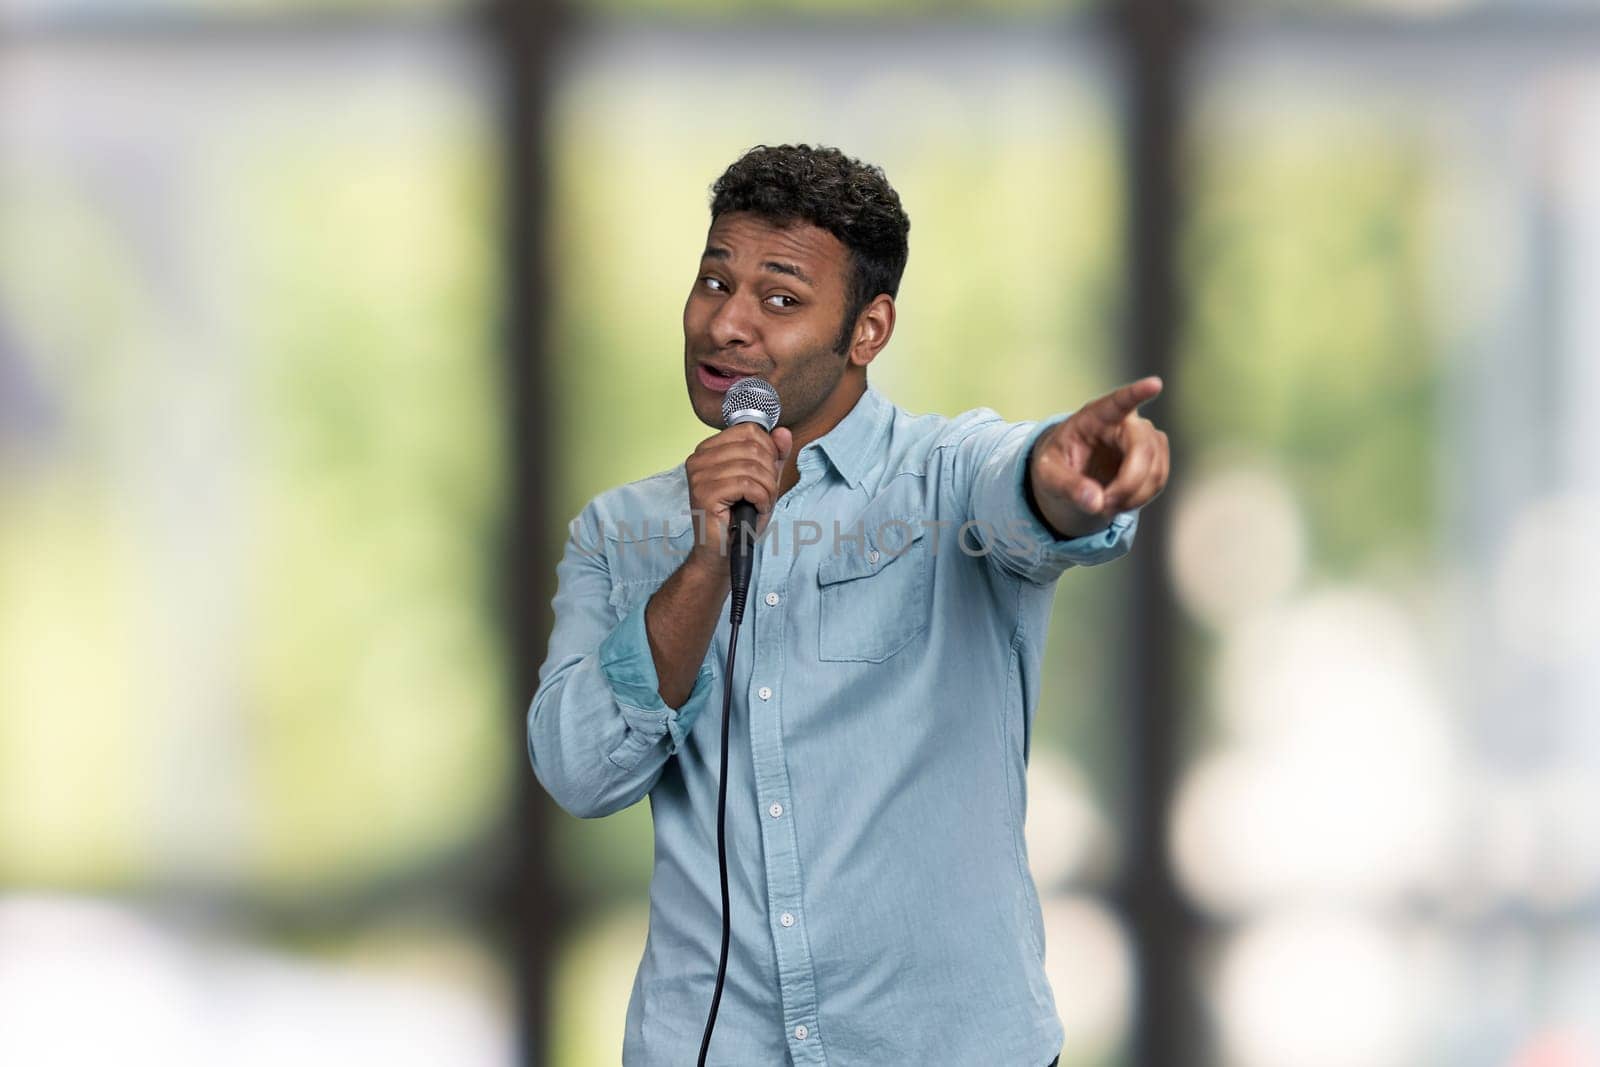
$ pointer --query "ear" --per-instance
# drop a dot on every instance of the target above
(874, 327)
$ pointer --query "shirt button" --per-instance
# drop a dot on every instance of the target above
(786, 919)
(800, 1032)
(764, 693)
(772, 600)
(775, 811)
(872, 557)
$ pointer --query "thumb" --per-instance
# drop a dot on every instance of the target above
(1055, 476)
(783, 437)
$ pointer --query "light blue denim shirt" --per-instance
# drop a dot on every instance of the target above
(883, 700)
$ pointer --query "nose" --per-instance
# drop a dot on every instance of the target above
(734, 322)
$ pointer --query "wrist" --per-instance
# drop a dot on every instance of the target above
(1081, 525)
(706, 568)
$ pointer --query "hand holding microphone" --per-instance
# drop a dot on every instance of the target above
(741, 465)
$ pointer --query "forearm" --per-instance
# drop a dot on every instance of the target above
(993, 472)
(680, 619)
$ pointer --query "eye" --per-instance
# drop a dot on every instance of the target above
(714, 284)
(782, 300)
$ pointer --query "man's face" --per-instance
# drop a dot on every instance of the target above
(768, 301)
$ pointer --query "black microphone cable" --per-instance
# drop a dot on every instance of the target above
(735, 617)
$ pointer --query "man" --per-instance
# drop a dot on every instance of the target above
(888, 669)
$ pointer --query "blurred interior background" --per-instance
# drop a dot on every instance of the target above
(320, 318)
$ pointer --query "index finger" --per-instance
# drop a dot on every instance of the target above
(744, 431)
(1124, 400)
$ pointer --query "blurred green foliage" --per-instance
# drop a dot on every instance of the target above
(1309, 339)
(383, 492)
(71, 808)
(303, 628)
(1309, 348)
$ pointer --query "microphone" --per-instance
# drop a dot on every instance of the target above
(747, 400)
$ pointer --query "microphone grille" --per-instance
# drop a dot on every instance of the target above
(751, 400)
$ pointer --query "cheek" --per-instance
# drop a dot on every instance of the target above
(802, 336)
(697, 306)
(813, 371)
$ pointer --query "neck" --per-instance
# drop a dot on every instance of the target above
(833, 410)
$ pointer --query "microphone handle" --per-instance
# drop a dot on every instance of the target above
(741, 553)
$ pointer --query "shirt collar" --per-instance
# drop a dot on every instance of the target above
(851, 445)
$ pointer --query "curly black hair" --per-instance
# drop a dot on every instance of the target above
(850, 199)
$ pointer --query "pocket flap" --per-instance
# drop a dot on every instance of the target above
(881, 543)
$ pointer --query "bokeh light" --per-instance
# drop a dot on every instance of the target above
(1066, 834)
(1316, 989)
(1547, 586)
(79, 978)
(1221, 574)
(1090, 967)
(1338, 778)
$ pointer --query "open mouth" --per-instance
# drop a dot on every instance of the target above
(717, 379)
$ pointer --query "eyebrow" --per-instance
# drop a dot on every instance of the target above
(713, 252)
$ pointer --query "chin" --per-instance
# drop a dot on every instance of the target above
(708, 409)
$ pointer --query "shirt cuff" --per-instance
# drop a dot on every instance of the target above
(1027, 532)
(630, 670)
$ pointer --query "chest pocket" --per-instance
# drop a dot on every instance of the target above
(875, 594)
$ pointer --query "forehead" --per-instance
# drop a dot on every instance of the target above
(747, 237)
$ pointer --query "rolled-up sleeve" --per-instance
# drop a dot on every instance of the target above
(599, 733)
(991, 465)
